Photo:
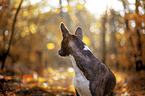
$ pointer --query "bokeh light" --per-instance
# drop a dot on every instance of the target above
(50, 46)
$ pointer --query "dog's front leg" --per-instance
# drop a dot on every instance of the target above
(77, 94)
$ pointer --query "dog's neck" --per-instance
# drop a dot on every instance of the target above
(81, 51)
(84, 59)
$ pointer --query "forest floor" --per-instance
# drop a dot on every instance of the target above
(14, 83)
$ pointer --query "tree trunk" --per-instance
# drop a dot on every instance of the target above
(13, 29)
(138, 55)
(39, 64)
(113, 49)
(103, 43)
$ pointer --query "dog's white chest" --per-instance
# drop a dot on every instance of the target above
(81, 84)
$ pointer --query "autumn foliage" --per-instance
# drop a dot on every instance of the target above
(30, 38)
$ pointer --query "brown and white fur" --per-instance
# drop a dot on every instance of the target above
(92, 77)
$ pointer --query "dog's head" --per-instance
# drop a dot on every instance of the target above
(70, 43)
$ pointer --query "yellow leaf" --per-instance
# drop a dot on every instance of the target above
(50, 69)
(10, 21)
(98, 25)
(80, 7)
(58, 11)
(40, 80)
(50, 46)
(33, 28)
(124, 90)
(59, 87)
(86, 40)
(23, 34)
(69, 8)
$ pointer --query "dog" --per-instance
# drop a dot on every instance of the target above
(92, 77)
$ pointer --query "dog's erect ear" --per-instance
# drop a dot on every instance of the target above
(79, 32)
(64, 30)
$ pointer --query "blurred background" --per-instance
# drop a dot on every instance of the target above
(30, 37)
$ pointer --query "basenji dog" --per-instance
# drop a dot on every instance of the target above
(92, 77)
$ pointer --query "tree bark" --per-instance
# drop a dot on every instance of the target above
(113, 49)
(138, 55)
(13, 28)
(104, 20)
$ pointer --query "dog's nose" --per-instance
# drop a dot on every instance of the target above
(60, 52)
